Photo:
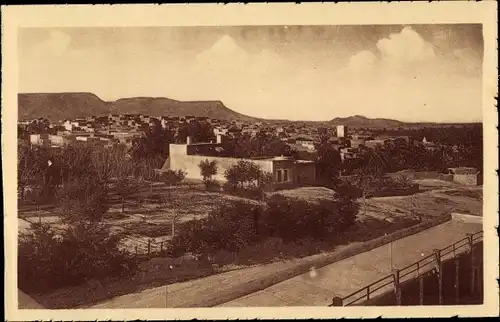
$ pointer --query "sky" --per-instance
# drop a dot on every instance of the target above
(409, 73)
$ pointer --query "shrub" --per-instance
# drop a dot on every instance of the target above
(171, 177)
(293, 219)
(208, 169)
(244, 228)
(212, 185)
(85, 198)
(286, 218)
(83, 251)
(245, 174)
(255, 193)
(230, 227)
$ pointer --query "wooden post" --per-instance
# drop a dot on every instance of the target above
(166, 296)
(472, 265)
(421, 288)
(135, 250)
(161, 247)
(457, 279)
(149, 247)
(397, 287)
(439, 270)
(421, 285)
(337, 301)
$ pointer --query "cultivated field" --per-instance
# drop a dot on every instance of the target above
(148, 213)
(443, 198)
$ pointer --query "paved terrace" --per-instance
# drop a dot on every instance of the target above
(318, 287)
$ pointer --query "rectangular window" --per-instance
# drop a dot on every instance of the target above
(285, 176)
(278, 175)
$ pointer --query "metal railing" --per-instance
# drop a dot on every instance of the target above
(424, 265)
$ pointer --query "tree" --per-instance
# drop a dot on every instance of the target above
(229, 227)
(374, 162)
(171, 177)
(328, 162)
(105, 161)
(404, 181)
(176, 206)
(73, 162)
(83, 199)
(243, 174)
(293, 219)
(31, 168)
(83, 250)
(126, 184)
(208, 169)
(365, 182)
(155, 143)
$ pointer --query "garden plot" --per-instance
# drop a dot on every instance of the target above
(428, 204)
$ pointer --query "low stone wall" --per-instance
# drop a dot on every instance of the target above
(242, 289)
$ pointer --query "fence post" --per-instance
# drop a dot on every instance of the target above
(420, 285)
(472, 265)
(337, 301)
(397, 287)
(439, 270)
(457, 279)
(149, 247)
(421, 288)
(135, 250)
(161, 247)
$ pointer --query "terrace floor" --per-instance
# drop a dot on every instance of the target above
(319, 286)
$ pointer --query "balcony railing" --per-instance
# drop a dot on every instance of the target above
(392, 281)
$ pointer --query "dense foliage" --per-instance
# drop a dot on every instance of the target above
(48, 259)
(239, 225)
(83, 247)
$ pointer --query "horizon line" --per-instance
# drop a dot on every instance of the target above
(256, 117)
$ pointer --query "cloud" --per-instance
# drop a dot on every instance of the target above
(362, 61)
(396, 54)
(225, 54)
(56, 44)
(406, 46)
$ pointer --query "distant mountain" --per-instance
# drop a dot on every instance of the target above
(60, 106)
(358, 121)
(164, 106)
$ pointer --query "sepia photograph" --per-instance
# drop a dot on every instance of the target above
(327, 165)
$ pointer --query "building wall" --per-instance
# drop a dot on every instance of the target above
(281, 166)
(306, 173)
(355, 143)
(374, 143)
(179, 160)
(57, 140)
(34, 139)
(466, 179)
